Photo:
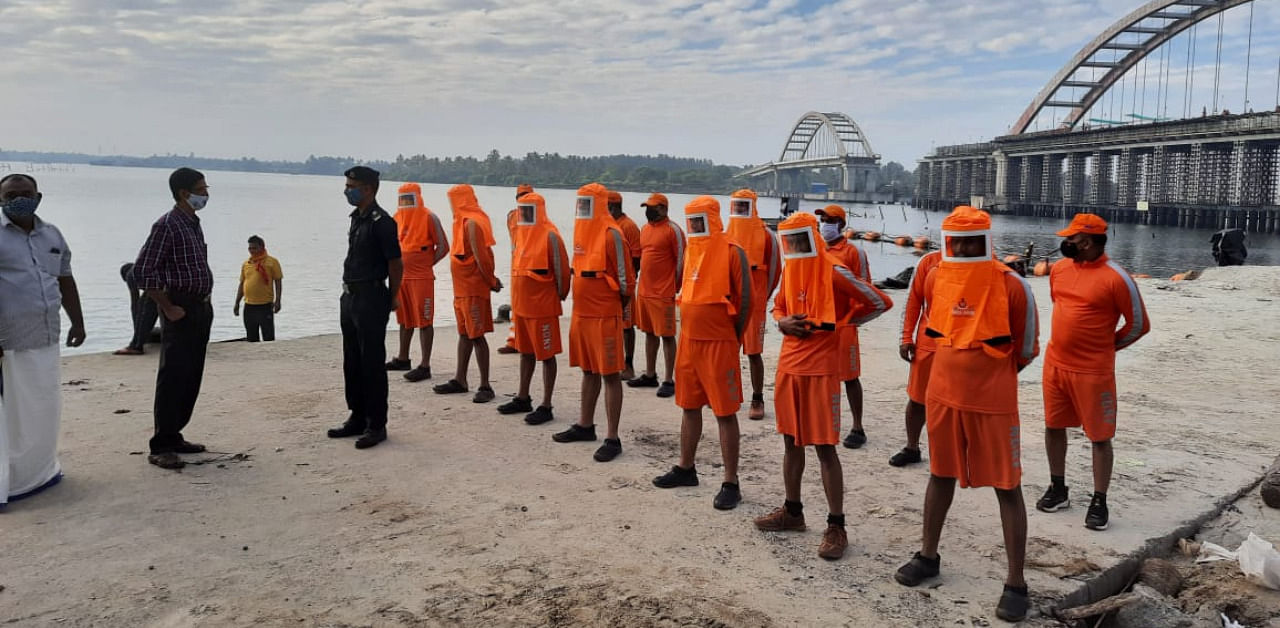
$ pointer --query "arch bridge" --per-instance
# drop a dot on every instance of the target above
(819, 140)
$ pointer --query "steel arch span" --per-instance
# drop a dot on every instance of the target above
(850, 141)
(1131, 39)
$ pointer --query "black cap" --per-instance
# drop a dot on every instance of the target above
(363, 174)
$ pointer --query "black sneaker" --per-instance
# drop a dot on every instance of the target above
(575, 433)
(667, 389)
(855, 439)
(728, 498)
(396, 364)
(484, 394)
(516, 406)
(644, 381)
(918, 569)
(905, 457)
(1055, 499)
(542, 414)
(1096, 517)
(677, 477)
(418, 374)
(371, 438)
(609, 450)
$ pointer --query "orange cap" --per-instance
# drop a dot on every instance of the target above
(1085, 223)
(834, 211)
(522, 189)
(615, 197)
(656, 199)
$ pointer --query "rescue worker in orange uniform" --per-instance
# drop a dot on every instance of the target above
(601, 288)
(473, 279)
(983, 317)
(630, 233)
(749, 231)
(715, 303)
(1090, 294)
(832, 219)
(422, 245)
(521, 190)
(661, 269)
(539, 282)
(816, 296)
(916, 347)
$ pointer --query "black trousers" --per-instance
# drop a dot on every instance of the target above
(364, 314)
(259, 318)
(182, 349)
(144, 321)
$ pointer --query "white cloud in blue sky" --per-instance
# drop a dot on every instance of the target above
(377, 78)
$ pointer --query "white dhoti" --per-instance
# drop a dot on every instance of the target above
(30, 414)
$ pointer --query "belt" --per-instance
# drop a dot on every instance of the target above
(587, 274)
(355, 287)
(540, 271)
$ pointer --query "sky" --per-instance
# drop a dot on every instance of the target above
(724, 80)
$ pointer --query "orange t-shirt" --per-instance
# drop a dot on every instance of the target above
(852, 257)
(593, 297)
(972, 380)
(630, 234)
(661, 259)
(819, 354)
(473, 274)
(421, 234)
(712, 321)
(765, 277)
(915, 315)
(539, 296)
(1088, 300)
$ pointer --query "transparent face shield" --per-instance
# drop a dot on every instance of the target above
(740, 207)
(697, 225)
(798, 243)
(585, 208)
(966, 246)
(526, 214)
(408, 199)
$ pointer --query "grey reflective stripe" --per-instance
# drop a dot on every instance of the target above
(1031, 327)
(556, 264)
(775, 259)
(620, 251)
(1136, 321)
(866, 291)
(866, 265)
(744, 298)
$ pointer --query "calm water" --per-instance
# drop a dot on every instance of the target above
(106, 214)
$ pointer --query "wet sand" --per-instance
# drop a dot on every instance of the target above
(466, 517)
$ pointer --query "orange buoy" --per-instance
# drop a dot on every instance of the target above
(1141, 276)
(1009, 259)
(902, 241)
(1178, 277)
(1042, 268)
(873, 236)
(850, 234)
(921, 242)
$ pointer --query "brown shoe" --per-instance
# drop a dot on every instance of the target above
(834, 542)
(757, 411)
(780, 520)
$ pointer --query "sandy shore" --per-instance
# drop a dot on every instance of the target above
(467, 517)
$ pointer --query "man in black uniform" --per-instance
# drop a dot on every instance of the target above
(373, 256)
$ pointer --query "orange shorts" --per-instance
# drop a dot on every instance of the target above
(918, 380)
(655, 315)
(976, 448)
(753, 335)
(850, 360)
(1080, 399)
(538, 336)
(708, 373)
(807, 408)
(417, 303)
(595, 344)
(475, 317)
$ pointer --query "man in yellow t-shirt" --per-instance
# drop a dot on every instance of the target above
(261, 286)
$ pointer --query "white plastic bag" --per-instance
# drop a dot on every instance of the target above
(1210, 552)
(1260, 562)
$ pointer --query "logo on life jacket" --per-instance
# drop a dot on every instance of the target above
(962, 309)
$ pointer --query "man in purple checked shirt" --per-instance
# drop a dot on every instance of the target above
(173, 269)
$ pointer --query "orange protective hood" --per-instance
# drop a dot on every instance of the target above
(462, 198)
(529, 236)
(706, 262)
(807, 270)
(591, 225)
(969, 305)
(413, 219)
(748, 230)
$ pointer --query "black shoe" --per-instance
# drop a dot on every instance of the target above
(418, 374)
(1097, 516)
(371, 438)
(167, 460)
(516, 406)
(1014, 604)
(855, 439)
(667, 389)
(1054, 499)
(677, 477)
(347, 429)
(644, 381)
(728, 498)
(484, 394)
(542, 414)
(905, 457)
(918, 569)
(575, 433)
(609, 450)
(188, 448)
(396, 364)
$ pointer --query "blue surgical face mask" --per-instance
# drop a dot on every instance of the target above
(197, 201)
(830, 231)
(20, 207)
(354, 196)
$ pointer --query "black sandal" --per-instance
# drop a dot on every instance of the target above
(450, 387)
(917, 570)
